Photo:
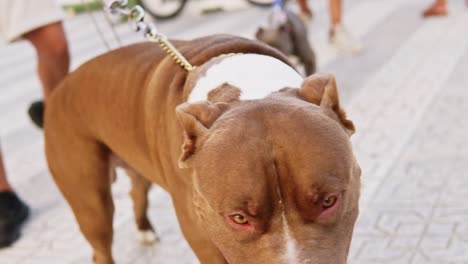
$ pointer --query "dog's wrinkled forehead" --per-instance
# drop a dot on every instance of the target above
(255, 75)
(250, 141)
(277, 121)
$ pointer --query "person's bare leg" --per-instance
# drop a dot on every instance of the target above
(304, 8)
(438, 8)
(335, 13)
(53, 62)
(339, 36)
(4, 184)
(53, 59)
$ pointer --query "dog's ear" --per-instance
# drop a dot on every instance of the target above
(196, 119)
(320, 89)
(225, 93)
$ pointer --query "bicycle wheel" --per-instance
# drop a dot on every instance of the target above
(264, 3)
(163, 9)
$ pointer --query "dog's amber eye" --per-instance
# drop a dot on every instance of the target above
(329, 201)
(240, 219)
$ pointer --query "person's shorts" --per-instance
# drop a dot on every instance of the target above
(18, 17)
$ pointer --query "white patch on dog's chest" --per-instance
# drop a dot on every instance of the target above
(291, 252)
(255, 75)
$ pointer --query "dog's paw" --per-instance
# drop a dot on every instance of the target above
(147, 237)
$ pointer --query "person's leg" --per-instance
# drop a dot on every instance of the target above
(304, 8)
(53, 59)
(335, 13)
(339, 36)
(438, 8)
(53, 62)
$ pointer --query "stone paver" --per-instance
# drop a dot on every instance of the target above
(407, 95)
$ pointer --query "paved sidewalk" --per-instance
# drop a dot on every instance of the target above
(418, 212)
(407, 94)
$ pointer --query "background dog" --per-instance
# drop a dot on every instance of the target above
(288, 33)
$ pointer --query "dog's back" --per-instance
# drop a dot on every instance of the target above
(114, 97)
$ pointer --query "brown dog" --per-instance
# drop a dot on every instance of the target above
(267, 180)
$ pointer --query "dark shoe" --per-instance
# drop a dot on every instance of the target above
(13, 213)
(36, 113)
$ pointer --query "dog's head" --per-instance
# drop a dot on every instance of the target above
(278, 32)
(275, 180)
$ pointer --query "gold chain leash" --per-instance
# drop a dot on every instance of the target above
(137, 15)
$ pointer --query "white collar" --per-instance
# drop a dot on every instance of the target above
(255, 75)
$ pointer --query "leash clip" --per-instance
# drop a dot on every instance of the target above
(150, 32)
(116, 6)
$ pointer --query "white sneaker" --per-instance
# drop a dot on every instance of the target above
(341, 40)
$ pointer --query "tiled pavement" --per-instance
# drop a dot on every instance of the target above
(408, 95)
(418, 212)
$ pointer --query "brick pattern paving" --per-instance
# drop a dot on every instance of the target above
(403, 89)
(411, 141)
(419, 213)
